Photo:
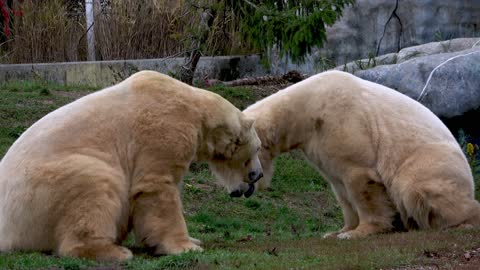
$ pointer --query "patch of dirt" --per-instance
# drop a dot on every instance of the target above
(114, 267)
(455, 260)
(117, 267)
(443, 249)
(425, 267)
(262, 91)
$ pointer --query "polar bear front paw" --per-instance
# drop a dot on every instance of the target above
(195, 241)
(178, 248)
(102, 253)
(330, 235)
(344, 235)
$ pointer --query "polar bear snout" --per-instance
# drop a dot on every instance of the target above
(244, 189)
(255, 175)
(255, 170)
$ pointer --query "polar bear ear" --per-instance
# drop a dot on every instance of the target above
(248, 122)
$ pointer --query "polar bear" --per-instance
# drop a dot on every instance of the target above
(82, 176)
(382, 153)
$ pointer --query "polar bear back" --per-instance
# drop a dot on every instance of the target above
(354, 111)
(331, 92)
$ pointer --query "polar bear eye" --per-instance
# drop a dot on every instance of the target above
(239, 142)
(247, 162)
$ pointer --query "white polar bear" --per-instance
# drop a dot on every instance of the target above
(81, 177)
(382, 153)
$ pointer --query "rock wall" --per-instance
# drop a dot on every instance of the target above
(376, 27)
(105, 73)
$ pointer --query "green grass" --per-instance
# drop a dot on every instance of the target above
(241, 97)
(42, 86)
(278, 229)
(303, 208)
(24, 102)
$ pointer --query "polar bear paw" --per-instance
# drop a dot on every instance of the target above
(195, 241)
(345, 235)
(103, 253)
(178, 248)
(330, 235)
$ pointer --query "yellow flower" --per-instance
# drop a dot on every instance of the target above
(470, 150)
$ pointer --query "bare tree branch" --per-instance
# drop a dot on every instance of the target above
(250, 4)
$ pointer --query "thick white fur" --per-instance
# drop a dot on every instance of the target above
(382, 152)
(81, 177)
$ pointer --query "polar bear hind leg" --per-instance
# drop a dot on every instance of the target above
(93, 222)
(370, 201)
(436, 193)
(427, 208)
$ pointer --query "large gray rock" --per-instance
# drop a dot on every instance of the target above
(453, 45)
(376, 27)
(453, 88)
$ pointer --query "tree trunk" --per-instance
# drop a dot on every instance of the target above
(89, 15)
(187, 70)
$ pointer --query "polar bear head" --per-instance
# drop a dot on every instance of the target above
(234, 160)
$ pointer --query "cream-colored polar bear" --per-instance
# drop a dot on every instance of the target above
(382, 153)
(82, 176)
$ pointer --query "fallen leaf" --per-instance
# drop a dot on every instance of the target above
(273, 251)
(429, 254)
(245, 239)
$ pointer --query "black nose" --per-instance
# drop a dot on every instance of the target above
(254, 176)
(236, 193)
(249, 192)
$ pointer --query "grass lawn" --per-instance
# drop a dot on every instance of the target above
(278, 229)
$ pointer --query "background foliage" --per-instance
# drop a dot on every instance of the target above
(53, 31)
(292, 26)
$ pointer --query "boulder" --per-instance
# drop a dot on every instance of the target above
(447, 83)
(453, 45)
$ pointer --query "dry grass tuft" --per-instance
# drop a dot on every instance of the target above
(55, 31)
